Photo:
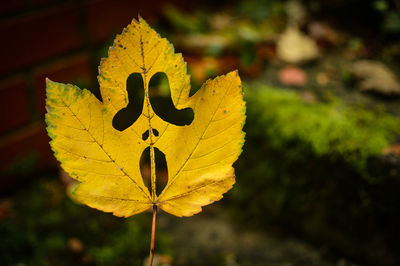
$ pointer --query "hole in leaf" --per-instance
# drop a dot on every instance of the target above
(161, 169)
(125, 117)
(155, 132)
(145, 168)
(145, 135)
(162, 104)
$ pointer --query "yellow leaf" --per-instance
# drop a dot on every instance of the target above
(105, 160)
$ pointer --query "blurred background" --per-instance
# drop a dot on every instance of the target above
(318, 182)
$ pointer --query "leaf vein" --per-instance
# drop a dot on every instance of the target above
(84, 157)
(91, 172)
(217, 149)
(74, 139)
(197, 144)
(209, 165)
(221, 131)
(195, 189)
(112, 198)
(101, 146)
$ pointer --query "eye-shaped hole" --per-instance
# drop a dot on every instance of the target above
(161, 169)
(155, 132)
(146, 134)
(125, 117)
(162, 104)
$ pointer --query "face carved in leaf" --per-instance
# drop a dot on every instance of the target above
(104, 155)
(162, 106)
(161, 103)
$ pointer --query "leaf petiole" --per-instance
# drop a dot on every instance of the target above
(153, 235)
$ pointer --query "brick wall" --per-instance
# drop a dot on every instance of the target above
(60, 40)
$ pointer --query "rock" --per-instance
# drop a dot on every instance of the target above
(292, 76)
(377, 77)
(295, 47)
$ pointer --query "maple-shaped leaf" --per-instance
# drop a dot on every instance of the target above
(106, 161)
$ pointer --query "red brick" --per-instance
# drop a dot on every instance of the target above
(70, 70)
(13, 104)
(31, 38)
(108, 18)
(11, 6)
(32, 139)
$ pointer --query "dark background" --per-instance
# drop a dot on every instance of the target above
(311, 189)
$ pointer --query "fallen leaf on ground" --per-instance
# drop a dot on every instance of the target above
(392, 150)
(295, 47)
(376, 77)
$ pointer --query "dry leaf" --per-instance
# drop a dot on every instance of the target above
(393, 149)
(296, 47)
(199, 156)
(376, 77)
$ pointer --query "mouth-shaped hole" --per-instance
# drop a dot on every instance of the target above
(161, 169)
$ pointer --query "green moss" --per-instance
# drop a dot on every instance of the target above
(316, 167)
(41, 221)
(328, 129)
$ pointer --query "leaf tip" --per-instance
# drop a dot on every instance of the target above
(136, 21)
(49, 82)
(141, 20)
(234, 73)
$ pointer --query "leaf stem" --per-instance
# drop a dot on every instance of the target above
(153, 235)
